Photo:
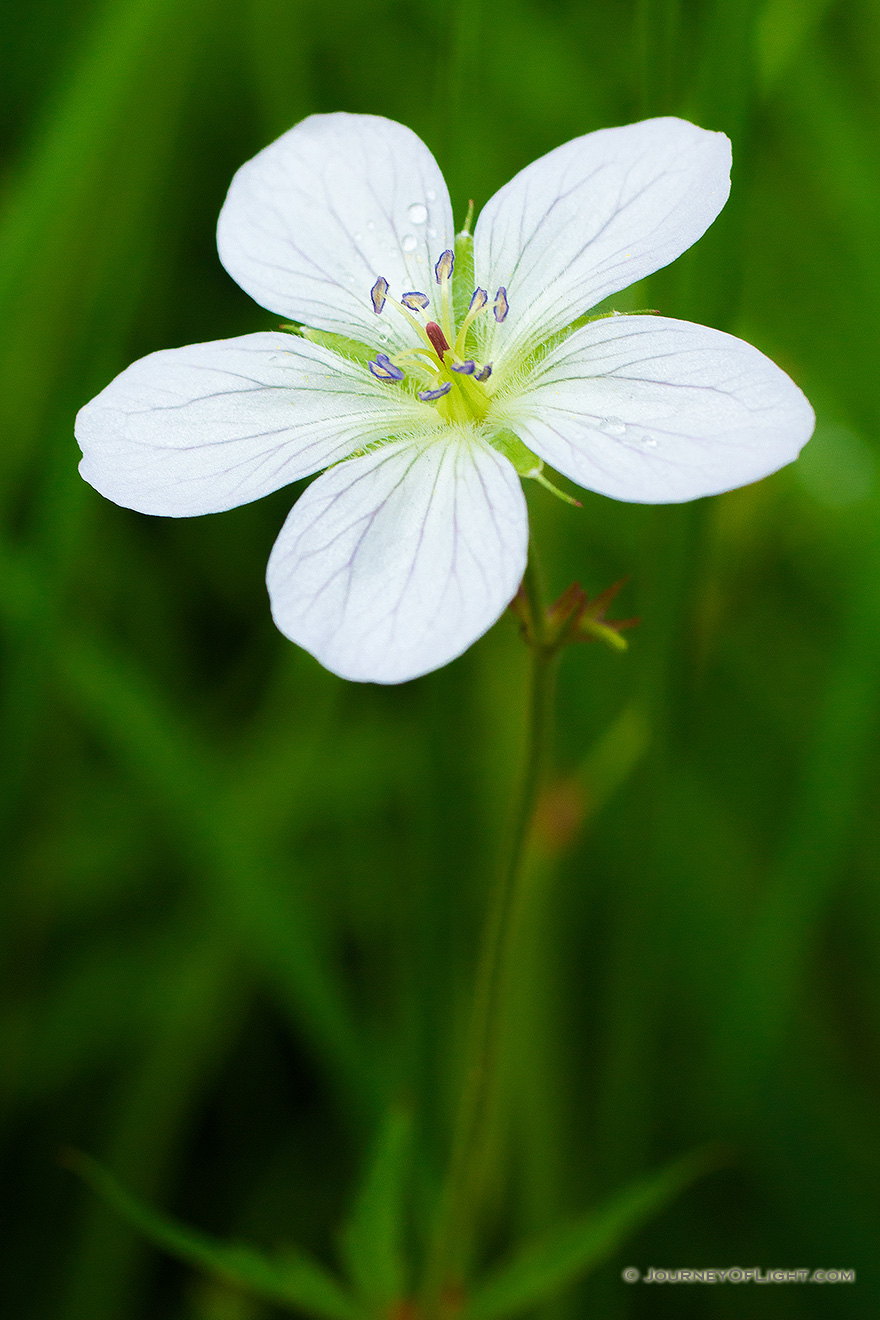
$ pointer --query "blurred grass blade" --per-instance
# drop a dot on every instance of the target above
(765, 994)
(565, 1256)
(373, 1240)
(79, 213)
(294, 1281)
(783, 29)
(163, 750)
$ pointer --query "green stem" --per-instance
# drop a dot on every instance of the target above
(473, 1129)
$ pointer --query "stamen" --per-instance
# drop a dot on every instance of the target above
(478, 301)
(443, 269)
(484, 373)
(384, 369)
(416, 302)
(466, 368)
(428, 396)
(437, 338)
(417, 325)
(500, 307)
(378, 292)
(424, 356)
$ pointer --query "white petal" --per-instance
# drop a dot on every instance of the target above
(211, 426)
(392, 564)
(655, 411)
(311, 223)
(594, 216)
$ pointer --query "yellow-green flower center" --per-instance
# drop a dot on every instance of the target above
(456, 384)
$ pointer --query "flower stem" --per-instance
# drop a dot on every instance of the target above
(462, 1193)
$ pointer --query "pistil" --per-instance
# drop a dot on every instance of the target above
(437, 338)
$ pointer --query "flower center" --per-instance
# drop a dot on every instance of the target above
(457, 384)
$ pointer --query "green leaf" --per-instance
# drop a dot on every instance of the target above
(291, 1280)
(372, 1242)
(546, 1267)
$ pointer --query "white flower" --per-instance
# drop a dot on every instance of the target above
(438, 390)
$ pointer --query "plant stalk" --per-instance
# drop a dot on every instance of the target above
(460, 1203)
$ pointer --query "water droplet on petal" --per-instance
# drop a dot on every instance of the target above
(431, 195)
(371, 224)
(612, 426)
(358, 238)
(418, 213)
(409, 242)
(649, 442)
(432, 232)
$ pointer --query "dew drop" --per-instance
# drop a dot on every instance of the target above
(431, 195)
(612, 426)
(371, 224)
(649, 442)
(432, 232)
(418, 213)
(409, 242)
(358, 238)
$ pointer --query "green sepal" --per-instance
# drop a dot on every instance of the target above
(529, 465)
(291, 1279)
(545, 1268)
(526, 463)
(553, 341)
(589, 317)
(463, 274)
(373, 1241)
(350, 348)
(555, 490)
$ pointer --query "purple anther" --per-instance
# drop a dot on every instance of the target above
(484, 373)
(443, 269)
(437, 338)
(378, 292)
(465, 368)
(384, 369)
(416, 302)
(428, 396)
(500, 307)
(479, 298)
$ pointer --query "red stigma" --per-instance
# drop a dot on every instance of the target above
(437, 338)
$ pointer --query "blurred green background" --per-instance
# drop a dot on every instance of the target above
(240, 895)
